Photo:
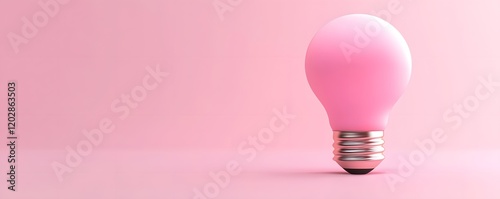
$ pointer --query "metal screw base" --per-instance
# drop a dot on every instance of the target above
(358, 152)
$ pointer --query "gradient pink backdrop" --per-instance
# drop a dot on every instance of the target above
(225, 79)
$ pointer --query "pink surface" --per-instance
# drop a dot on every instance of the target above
(236, 92)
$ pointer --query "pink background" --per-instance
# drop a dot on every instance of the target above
(225, 79)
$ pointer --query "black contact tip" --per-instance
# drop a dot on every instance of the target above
(358, 171)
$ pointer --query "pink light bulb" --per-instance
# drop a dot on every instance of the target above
(358, 66)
